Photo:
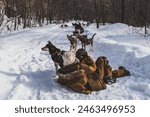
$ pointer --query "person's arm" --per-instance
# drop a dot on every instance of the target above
(88, 68)
(88, 65)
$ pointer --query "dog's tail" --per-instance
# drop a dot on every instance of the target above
(93, 36)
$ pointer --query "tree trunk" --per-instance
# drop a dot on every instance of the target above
(96, 13)
(122, 11)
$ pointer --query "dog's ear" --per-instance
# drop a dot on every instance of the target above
(68, 36)
(85, 36)
(49, 42)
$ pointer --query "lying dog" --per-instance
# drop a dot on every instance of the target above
(60, 58)
(74, 24)
(85, 41)
(64, 26)
(73, 42)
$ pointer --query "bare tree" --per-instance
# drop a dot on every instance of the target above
(122, 11)
(132, 12)
(96, 13)
(2, 12)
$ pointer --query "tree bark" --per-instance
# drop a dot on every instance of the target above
(96, 13)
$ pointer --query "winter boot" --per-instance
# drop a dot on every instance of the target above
(121, 72)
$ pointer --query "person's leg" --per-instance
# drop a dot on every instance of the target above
(104, 70)
(100, 67)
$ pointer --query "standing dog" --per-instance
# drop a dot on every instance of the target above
(60, 58)
(73, 42)
(78, 28)
(85, 41)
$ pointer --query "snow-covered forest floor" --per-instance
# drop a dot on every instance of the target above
(26, 72)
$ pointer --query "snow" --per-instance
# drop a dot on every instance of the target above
(26, 72)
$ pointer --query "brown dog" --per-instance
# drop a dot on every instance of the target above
(85, 41)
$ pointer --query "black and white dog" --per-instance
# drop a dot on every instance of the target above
(60, 58)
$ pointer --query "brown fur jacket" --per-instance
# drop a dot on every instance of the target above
(88, 65)
(81, 77)
(69, 68)
(95, 81)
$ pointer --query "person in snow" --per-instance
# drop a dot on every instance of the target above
(93, 70)
(81, 76)
(85, 75)
(103, 69)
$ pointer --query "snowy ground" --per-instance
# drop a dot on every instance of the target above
(26, 72)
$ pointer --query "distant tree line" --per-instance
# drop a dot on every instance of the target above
(132, 12)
